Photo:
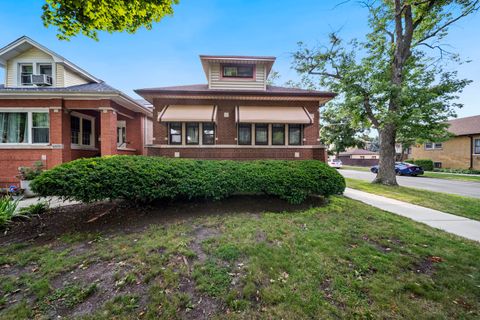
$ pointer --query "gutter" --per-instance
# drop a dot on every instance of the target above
(471, 152)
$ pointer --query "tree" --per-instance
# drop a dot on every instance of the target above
(72, 17)
(338, 130)
(395, 79)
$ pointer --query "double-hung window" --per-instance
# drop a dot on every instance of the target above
(193, 133)
(121, 134)
(295, 134)
(433, 145)
(244, 134)
(26, 72)
(175, 133)
(261, 134)
(278, 134)
(82, 130)
(208, 135)
(476, 146)
(24, 127)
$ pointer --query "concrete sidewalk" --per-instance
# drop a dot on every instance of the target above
(457, 225)
(53, 202)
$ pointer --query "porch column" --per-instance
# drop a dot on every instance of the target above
(108, 132)
(59, 136)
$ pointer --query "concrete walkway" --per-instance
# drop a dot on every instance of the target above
(53, 201)
(457, 225)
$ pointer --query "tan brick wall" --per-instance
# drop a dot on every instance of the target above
(455, 154)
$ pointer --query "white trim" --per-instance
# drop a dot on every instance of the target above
(29, 112)
(79, 145)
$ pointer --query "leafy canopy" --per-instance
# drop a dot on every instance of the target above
(72, 17)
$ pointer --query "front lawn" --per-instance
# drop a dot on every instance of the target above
(450, 203)
(228, 260)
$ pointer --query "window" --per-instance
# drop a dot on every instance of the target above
(75, 129)
(40, 127)
(261, 134)
(82, 132)
(295, 134)
(208, 133)
(25, 127)
(45, 69)
(121, 134)
(237, 71)
(244, 134)
(278, 134)
(26, 71)
(437, 165)
(175, 132)
(476, 146)
(192, 133)
(433, 145)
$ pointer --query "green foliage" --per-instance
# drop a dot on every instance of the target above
(8, 208)
(212, 279)
(462, 171)
(145, 179)
(71, 295)
(339, 130)
(30, 173)
(228, 252)
(72, 17)
(35, 209)
(426, 164)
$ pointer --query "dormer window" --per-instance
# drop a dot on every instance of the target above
(237, 70)
(45, 68)
(26, 72)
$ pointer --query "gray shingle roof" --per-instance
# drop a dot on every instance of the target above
(100, 87)
(464, 126)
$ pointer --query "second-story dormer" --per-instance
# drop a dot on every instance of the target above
(237, 72)
(29, 64)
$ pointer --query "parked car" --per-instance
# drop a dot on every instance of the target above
(335, 163)
(403, 169)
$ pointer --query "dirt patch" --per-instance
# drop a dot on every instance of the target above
(203, 306)
(123, 219)
(201, 234)
(426, 265)
(381, 247)
(327, 289)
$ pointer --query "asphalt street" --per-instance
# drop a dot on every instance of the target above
(463, 188)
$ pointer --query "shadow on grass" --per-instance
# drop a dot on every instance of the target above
(115, 217)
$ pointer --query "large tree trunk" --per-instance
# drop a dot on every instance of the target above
(386, 168)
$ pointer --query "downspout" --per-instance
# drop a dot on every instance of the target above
(471, 152)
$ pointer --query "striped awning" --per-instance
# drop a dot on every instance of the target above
(262, 114)
(188, 113)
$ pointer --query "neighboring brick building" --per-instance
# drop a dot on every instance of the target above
(460, 152)
(236, 115)
(53, 111)
(359, 157)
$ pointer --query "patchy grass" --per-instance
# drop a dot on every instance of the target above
(342, 260)
(356, 168)
(461, 206)
(452, 176)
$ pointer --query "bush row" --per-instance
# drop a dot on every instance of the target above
(463, 171)
(146, 179)
(426, 164)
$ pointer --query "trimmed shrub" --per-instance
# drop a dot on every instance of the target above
(426, 164)
(146, 179)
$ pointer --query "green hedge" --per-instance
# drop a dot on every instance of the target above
(146, 179)
(426, 164)
(462, 171)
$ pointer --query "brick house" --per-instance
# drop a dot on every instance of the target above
(53, 111)
(359, 157)
(236, 115)
(462, 151)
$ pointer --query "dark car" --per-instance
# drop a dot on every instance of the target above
(403, 169)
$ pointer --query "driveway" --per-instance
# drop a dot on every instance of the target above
(462, 188)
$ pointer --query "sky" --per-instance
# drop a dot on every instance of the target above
(168, 54)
